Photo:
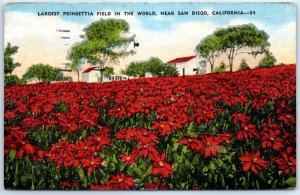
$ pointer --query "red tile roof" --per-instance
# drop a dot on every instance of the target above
(181, 60)
(89, 69)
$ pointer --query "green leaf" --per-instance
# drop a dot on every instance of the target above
(84, 134)
(80, 173)
(291, 181)
(212, 166)
(184, 150)
(12, 155)
(191, 130)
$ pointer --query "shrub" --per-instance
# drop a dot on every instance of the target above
(222, 67)
(244, 65)
(268, 61)
(10, 80)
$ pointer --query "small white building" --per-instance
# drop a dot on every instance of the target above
(90, 75)
(189, 65)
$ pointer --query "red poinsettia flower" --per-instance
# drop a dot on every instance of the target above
(128, 159)
(253, 162)
(287, 119)
(144, 136)
(155, 186)
(211, 145)
(91, 163)
(120, 182)
(97, 141)
(192, 143)
(165, 127)
(160, 166)
(240, 117)
(287, 161)
(16, 140)
(127, 134)
(146, 150)
(271, 139)
(247, 131)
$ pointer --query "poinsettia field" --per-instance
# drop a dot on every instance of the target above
(215, 131)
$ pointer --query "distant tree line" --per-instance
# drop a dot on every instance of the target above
(153, 65)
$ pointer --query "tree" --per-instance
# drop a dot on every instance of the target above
(169, 70)
(209, 48)
(44, 73)
(268, 61)
(108, 71)
(9, 64)
(153, 65)
(244, 65)
(104, 42)
(10, 80)
(246, 38)
(222, 68)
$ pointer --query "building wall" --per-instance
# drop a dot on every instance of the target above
(94, 76)
(189, 67)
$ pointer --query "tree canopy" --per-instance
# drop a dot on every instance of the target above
(153, 65)
(233, 41)
(246, 38)
(209, 48)
(9, 64)
(108, 71)
(104, 42)
(44, 73)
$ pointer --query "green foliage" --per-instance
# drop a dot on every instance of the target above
(67, 78)
(209, 48)
(222, 67)
(44, 73)
(169, 70)
(108, 71)
(291, 182)
(9, 64)
(244, 65)
(153, 65)
(12, 80)
(104, 42)
(268, 61)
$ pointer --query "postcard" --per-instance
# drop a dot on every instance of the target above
(149, 96)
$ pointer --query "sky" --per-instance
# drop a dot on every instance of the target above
(164, 36)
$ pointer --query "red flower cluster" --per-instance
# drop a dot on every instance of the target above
(207, 145)
(149, 123)
(116, 182)
(82, 153)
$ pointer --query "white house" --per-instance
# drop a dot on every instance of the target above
(91, 75)
(189, 65)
